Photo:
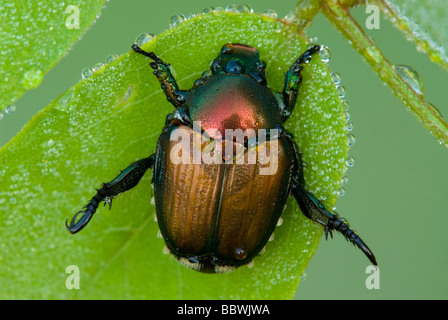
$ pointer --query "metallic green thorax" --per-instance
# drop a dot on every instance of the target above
(229, 101)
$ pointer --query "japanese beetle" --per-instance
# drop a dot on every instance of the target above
(219, 215)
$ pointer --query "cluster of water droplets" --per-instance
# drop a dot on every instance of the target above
(325, 56)
(179, 18)
(87, 72)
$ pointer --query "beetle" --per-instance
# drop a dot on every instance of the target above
(219, 216)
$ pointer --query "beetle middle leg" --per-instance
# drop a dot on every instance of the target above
(163, 73)
(126, 180)
(293, 79)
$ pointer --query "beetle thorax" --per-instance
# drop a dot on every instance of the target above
(228, 101)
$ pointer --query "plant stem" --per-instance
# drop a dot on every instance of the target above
(340, 17)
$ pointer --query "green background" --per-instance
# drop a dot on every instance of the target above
(396, 197)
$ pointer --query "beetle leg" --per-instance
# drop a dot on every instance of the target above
(313, 209)
(167, 81)
(127, 179)
(293, 79)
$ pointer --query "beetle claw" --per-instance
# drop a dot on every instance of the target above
(76, 226)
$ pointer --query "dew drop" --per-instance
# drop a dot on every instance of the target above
(270, 13)
(347, 116)
(32, 78)
(231, 8)
(289, 18)
(303, 276)
(86, 72)
(240, 253)
(341, 91)
(176, 20)
(144, 38)
(244, 8)
(411, 76)
(344, 180)
(350, 161)
(10, 109)
(336, 78)
(110, 58)
(208, 10)
(98, 66)
(351, 139)
(325, 54)
(349, 126)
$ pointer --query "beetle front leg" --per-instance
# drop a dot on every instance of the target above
(167, 81)
(126, 180)
(293, 79)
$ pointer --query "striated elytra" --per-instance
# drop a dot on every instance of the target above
(224, 164)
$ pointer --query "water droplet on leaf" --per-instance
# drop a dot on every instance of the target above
(336, 77)
(325, 54)
(10, 109)
(110, 58)
(86, 72)
(32, 78)
(411, 76)
(176, 20)
(270, 13)
(144, 38)
(350, 161)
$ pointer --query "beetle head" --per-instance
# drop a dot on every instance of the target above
(237, 58)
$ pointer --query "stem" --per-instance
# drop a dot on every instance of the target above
(340, 17)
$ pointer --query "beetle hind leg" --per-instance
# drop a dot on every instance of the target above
(126, 180)
(313, 209)
(162, 71)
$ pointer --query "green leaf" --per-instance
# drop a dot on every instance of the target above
(35, 35)
(424, 22)
(52, 167)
